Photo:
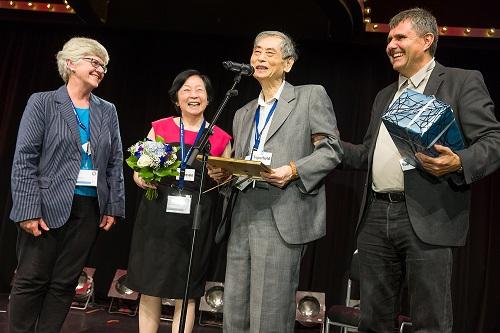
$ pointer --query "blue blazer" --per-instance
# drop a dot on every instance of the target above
(47, 158)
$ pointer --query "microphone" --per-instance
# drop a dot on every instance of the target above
(244, 69)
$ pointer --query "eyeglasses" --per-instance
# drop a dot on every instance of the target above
(96, 64)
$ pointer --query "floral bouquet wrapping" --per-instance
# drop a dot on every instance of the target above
(153, 160)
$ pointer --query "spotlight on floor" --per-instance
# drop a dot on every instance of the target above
(123, 299)
(167, 309)
(84, 290)
(310, 308)
(212, 304)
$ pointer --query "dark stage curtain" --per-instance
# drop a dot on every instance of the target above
(143, 64)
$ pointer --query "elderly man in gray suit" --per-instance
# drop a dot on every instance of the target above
(294, 129)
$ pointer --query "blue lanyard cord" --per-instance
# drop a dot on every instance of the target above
(82, 126)
(184, 156)
(258, 133)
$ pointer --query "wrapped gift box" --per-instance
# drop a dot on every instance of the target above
(416, 122)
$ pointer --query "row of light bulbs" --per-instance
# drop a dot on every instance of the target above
(375, 27)
(477, 32)
(452, 31)
(467, 31)
(23, 5)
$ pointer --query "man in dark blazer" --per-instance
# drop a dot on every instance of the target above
(293, 128)
(412, 218)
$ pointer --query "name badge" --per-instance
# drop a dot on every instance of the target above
(188, 174)
(87, 178)
(179, 204)
(262, 156)
(405, 166)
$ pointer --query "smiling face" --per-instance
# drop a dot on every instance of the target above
(84, 72)
(267, 59)
(192, 97)
(408, 51)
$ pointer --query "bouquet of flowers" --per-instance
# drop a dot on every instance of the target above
(153, 160)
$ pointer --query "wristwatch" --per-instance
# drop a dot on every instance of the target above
(295, 174)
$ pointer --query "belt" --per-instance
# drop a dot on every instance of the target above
(390, 196)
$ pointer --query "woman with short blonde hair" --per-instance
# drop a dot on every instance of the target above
(67, 181)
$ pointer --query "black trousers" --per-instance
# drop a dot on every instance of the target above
(48, 269)
(389, 252)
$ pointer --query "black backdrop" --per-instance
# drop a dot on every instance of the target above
(143, 64)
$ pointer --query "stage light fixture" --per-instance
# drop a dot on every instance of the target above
(310, 308)
(84, 291)
(212, 304)
(123, 299)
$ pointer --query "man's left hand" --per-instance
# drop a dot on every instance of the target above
(279, 177)
(445, 163)
(107, 222)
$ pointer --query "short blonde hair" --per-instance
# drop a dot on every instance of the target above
(77, 48)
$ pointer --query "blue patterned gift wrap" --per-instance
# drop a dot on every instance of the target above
(416, 122)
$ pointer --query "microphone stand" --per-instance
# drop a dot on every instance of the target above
(202, 146)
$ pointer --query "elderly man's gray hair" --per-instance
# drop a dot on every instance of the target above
(287, 45)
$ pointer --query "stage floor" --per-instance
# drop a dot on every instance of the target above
(98, 320)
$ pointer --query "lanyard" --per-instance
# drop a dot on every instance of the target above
(184, 156)
(84, 128)
(258, 134)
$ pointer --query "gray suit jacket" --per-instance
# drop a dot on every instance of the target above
(299, 209)
(439, 207)
(47, 158)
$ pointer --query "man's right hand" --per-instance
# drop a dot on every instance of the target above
(32, 226)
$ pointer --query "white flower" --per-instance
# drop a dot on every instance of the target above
(155, 162)
(133, 149)
(144, 161)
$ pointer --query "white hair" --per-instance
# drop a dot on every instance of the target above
(288, 48)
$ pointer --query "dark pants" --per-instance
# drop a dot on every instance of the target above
(48, 269)
(388, 247)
